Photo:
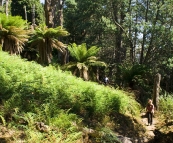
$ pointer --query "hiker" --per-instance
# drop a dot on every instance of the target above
(106, 80)
(150, 111)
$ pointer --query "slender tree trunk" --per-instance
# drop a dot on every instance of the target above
(151, 46)
(135, 39)
(144, 35)
(130, 34)
(33, 15)
(64, 57)
(6, 7)
(1, 2)
(156, 90)
(60, 13)
(97, 75)
(25, 13)
(118, 44)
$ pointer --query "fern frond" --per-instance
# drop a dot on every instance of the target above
(3, 120)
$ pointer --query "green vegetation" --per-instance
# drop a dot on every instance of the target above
(18, 8)
(46, 104)
(84, 61)
(166, 106)
(32, 94)
(44, 39)
(13, 33)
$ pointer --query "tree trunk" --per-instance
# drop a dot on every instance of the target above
(156, 90)
(49, 13)
(151, 46)
(1, 2)
(60, 13)
(6, 7)
(33, 16)
(25, 13)
(54, 12)
(144, 34)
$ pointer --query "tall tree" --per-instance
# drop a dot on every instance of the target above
(49, 13)
(1, 1)
(128, 31)
(54, 12)
(6, 7)
(18, 8)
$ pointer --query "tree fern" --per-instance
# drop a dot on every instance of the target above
(13, 33)
(83, 59)
(44, 39)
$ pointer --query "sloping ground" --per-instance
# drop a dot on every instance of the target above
(34, 94)
(129, 131)
(38, 86)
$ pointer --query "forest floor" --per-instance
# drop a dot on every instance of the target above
(127, 135)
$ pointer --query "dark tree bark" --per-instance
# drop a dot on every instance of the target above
(0, 2)
(58, 20)
(54, 12)
(144, 34)
(156, 90)
(49, 13)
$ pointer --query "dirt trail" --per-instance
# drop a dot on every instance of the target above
(149, 128)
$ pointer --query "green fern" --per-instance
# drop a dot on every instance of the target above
(83, 60)
(44, 39)
(3, 120)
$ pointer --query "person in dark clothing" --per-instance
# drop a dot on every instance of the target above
(150, 111)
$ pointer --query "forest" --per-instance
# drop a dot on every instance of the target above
(55, 55)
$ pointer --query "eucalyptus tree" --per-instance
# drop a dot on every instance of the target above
(1, 6)
(13, 33)
(54, 12)
(83, 19)
(152, 21)
(6, 6)
(18, 7)
(44, 39)
(133, 31)
(84, 60)
(101, 23)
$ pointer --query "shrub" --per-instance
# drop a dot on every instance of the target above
(166, 105)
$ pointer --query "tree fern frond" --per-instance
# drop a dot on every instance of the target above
(72, 51)
(92, 51)
(3, 120)
(97, 64)
(92, 58)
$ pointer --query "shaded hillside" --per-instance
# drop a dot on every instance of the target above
(40, 101)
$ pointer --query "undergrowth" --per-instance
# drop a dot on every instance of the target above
(34, 94)
(166, 105)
